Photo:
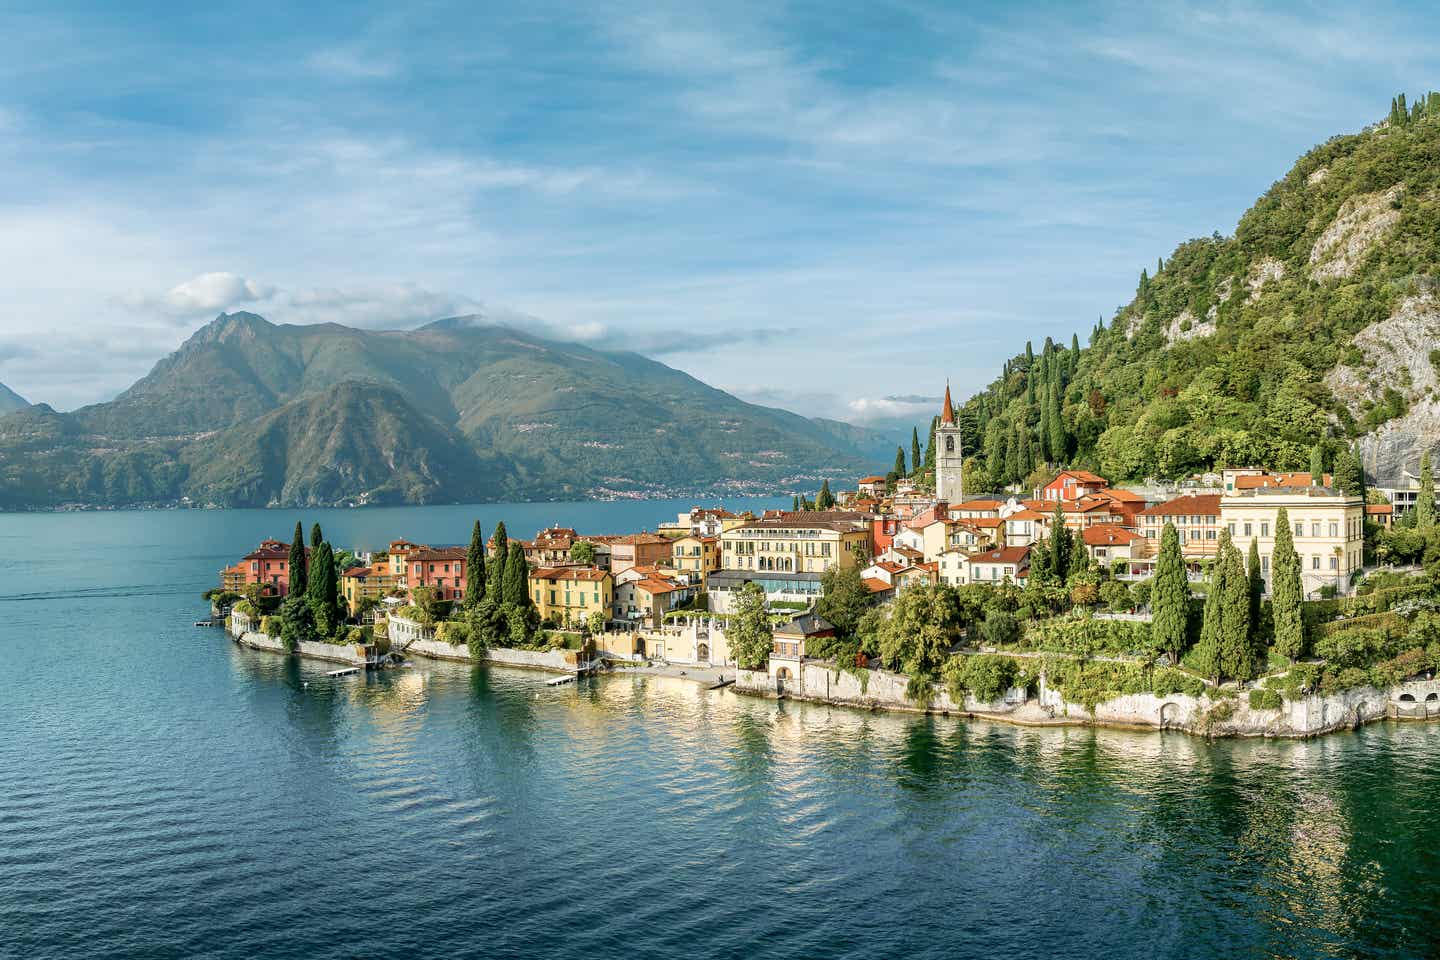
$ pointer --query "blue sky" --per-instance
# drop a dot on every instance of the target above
(826, 206)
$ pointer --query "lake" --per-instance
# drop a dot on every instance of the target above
(164, 793)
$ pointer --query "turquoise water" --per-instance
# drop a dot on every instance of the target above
(166, 794)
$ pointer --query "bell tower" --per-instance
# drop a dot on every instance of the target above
(949, 455)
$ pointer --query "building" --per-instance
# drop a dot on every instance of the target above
(725, 585)
(442, 569)
(949, 455)
(1328, 529)
(1072, 485)
(1108, 542)
(797, 543)
(1196, 519)
(1403, 495)
(568, 595)
(372, 581)
(871, 487)
(232, 578)
(695, 557)
(997, 566)
(790, 638)
(551, 547)
(636, 550)
(644, 595)
(1381, 513)
(268, 564)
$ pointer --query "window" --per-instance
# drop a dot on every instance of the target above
(1249, 530)
(1299, 528)
(1314, 563)
(1265, 564)
(1264, 528)
(1314, 528)
(1334, 529)
(1334, 563)
(1232, 528)
(1209, 534)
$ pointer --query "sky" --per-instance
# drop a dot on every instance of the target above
(832, 207)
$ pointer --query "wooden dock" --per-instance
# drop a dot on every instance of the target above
(342, 672)
(564, 678)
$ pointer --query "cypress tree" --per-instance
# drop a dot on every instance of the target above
(930, 449)
(1317, 464)
(499, 559)
(322, 591)
(475, 568)
(1059, 545)
(1208, 652)
(1425, 498)
(899, 461)
(1170, 597)
(824, 500)
(1237, 656)
(915, 463)
(1348, 476)
(1286, 592)
(795, 503)
(298, 580)
(517, 577)
(1013, 455)
(1059, 443)
(1256, 580)
(316, 537)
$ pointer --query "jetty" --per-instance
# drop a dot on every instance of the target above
(342, 672)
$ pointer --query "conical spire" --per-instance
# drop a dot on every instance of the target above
(947, 412)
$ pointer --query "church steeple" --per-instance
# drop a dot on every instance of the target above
(947, 412)
(949, 454)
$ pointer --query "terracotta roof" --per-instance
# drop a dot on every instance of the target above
(569, 573)
(437, 554)
(876, 585)
(947, 414)
(1380, 508)
(1205, 504)
(1015, 555)
(1124, 496)
(1028, 514)
(871, 480)
(658, 586)
(889, 566)
(978, 504)
(1296, 479)
(1084, 476)
(982, 522)
(1108, 535)
(356, 572)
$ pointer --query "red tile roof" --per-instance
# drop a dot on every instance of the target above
(569, 573)
(1108, 535)
(1015, 555)
(877, 585)
(1205, 504)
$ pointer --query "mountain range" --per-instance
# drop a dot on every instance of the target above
(10, 401)
(1310, 332)
(250, 413)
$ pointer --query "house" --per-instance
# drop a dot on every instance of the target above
(569, 595)
(997, 566)
(1108, 542)
(1381, 513)
(797, 587)
(645, 594)
(1328, 530)
(1196, 518)
(977, 509)
(701, 522)
(883, 571)
(1024, 527)
(883, 530)
(695, 556)
(790, 638)
(797, 543)
(268, 564)
(232, 578)
(373, 581)
(1072, 485)
(871, 487)
(440, 568)
(1403, 495)
(635, 550)
(919, 574)
(551, 546)
(883, 591)
(1125, 505)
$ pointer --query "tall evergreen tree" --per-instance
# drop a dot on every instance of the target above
(1059, 443)
(316, 537)
(475, 568)
(516, 589)
(1170, 597)
(298, 571)
(1286, 592)
(899, 461)
(499, 560)
(824, 500)
(1060, 545)
(1209, 653)
(1014, 456)
(1237, 655)
(1256, 579)
(1317, 464)
(795, 503)
(1349, 478)
(930, 449)
(915, 463)
(1425, 497)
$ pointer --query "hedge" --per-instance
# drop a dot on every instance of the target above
(1089, 637)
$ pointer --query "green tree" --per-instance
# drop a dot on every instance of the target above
(298, 566)
(915, 463)
(1317, 464)
(1060, 546)
(488, 625)
(1286, 591)
(899, 461)
(1209, 651)
(1055, 427)
(516, 589)
(923, 623)
(824, 500)
(297, 622)
(1256, 580)
(322, 591)
(748, 629)
(582, 551)
(1170, 597)
(999, 628)
(1237, 656)
(1349, 478)
(499, 557)
(475, 568)
(1425, 497)
(316, 537)
(844, 598)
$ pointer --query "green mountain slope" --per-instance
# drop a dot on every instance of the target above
(1312, 325)
(10, 401)
(248, 412)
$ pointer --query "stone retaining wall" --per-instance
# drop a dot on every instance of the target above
(555, 661)
(1311, 716)
(333, 652)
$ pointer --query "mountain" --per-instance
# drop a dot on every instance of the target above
(251, 413)
(10, 401)
(1314, 324)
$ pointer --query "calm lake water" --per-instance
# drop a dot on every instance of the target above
(165, 794)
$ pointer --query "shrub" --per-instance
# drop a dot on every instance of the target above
(999, 628)
(269, 626)
(1088, 637)
(1168, 680)
(1116, 595)
(1263, 699)
(986, 676)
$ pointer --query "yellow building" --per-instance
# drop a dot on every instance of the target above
(570, 594)
(794, 545)
(696, 556)
(1328, 528)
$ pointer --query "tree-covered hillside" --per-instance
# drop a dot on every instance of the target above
(1243, 350)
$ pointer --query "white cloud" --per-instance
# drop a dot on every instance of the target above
(876, 409)
(209, 293)
(351, 64)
